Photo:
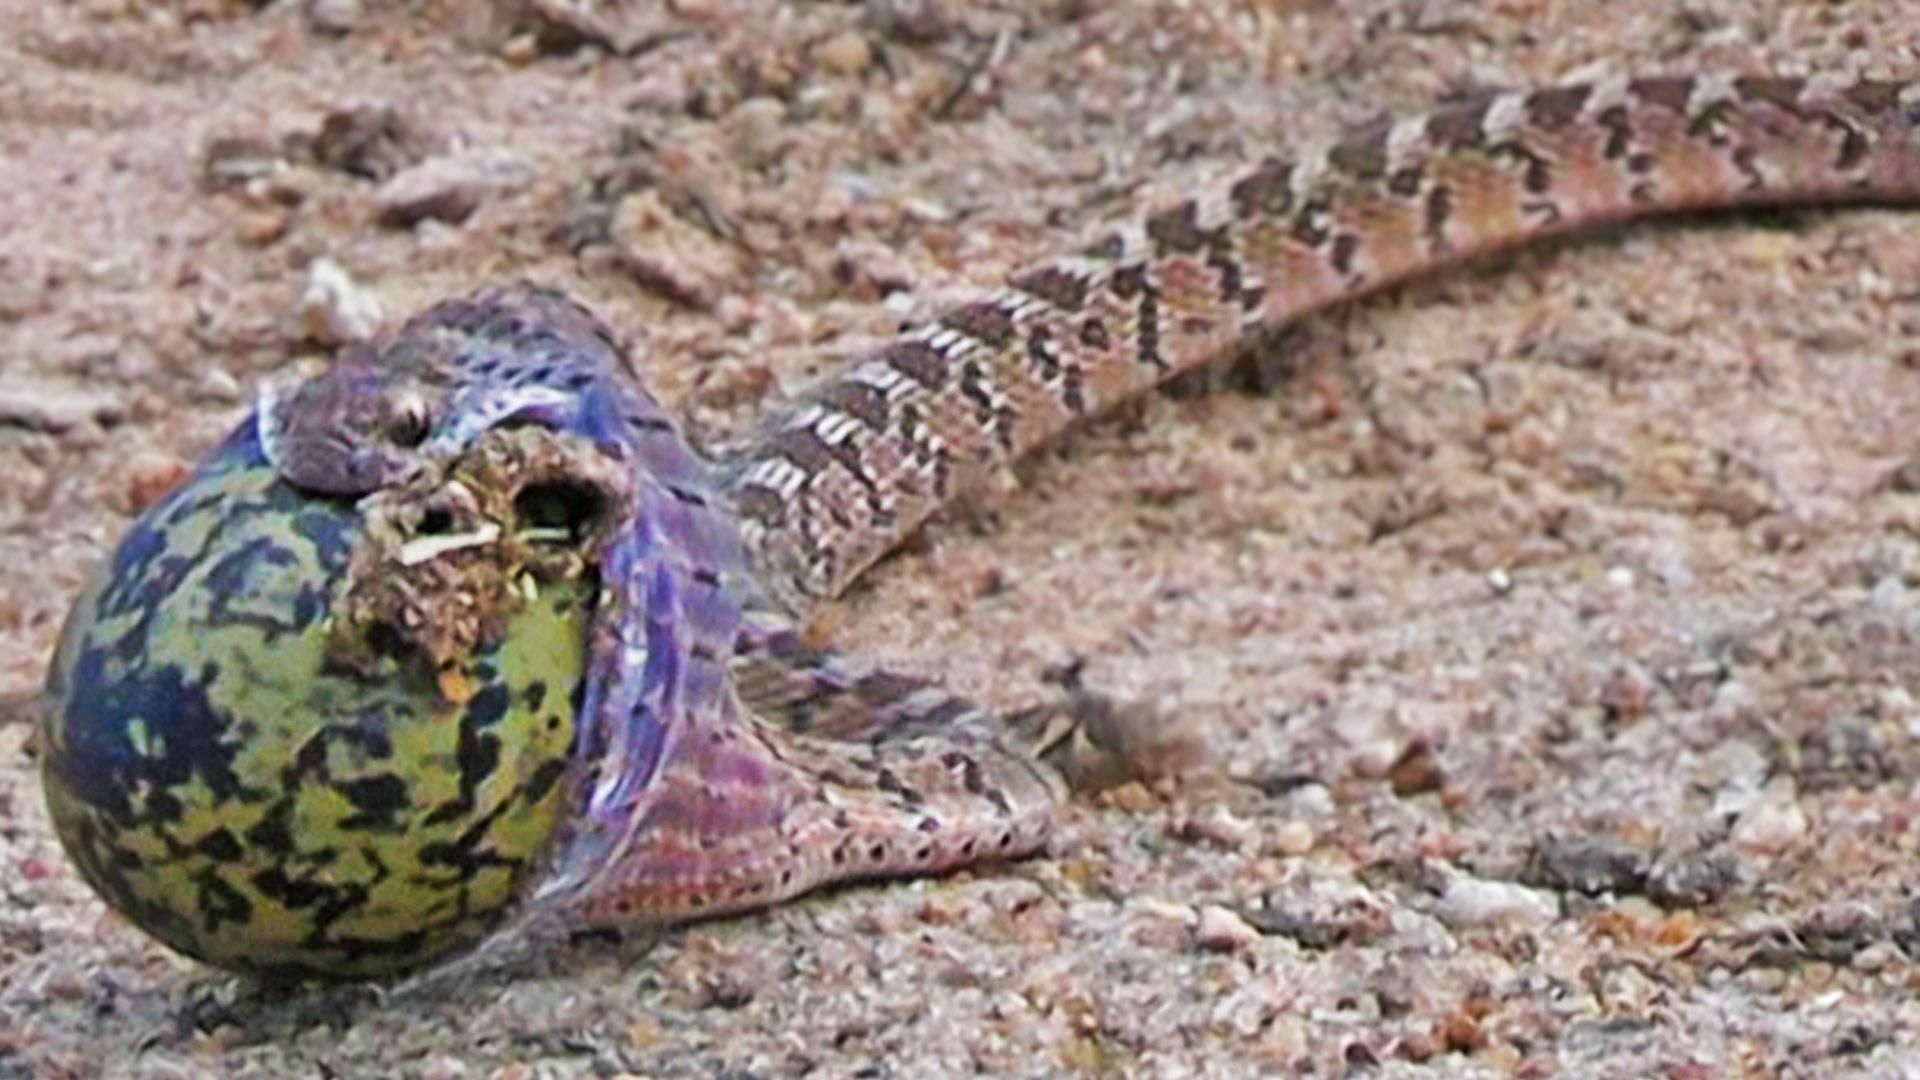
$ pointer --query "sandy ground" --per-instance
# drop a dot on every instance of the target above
(1552, 624)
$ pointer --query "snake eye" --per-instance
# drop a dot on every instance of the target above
(408, 423)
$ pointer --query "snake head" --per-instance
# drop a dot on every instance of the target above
(507, 357)
(348, 431)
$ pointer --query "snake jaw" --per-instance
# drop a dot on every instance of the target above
(332, 434)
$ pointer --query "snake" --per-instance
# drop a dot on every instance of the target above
(463, 632)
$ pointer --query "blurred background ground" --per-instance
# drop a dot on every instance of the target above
(1552, 623)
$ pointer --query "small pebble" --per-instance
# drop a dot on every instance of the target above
(1876, 957)
(643, 1033)
(1416, 771)
(1294, 838)
(166, 1067)
(372, 141)
(1221, 828)
(335, 16)
(846, 54)
(671, 256)
(65, 984)
(1677, 929)
(1472, 901)
(1765, 979)
(49, 407)
(1375, 758)
(1158, 923)
(521, 50)
(1153, 907)
(37, 869)
(919, 21)
(218, 384)
(148, 475)
(236, 161)
(444, 1068)
(1420, 1046)
(1132, 796)
(1893, 701)
(263, 227)
(285, 187)
(755, 126)
(1770, 827)
(449, 189)
(333, 309)
(1732, 700)
(1462, 1033)
(1765, 247)
(1220, 930)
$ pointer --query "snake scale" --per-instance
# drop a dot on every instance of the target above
(615, 719)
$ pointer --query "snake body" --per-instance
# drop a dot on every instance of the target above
(716, 764)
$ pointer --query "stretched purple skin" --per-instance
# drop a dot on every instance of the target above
(666, 627)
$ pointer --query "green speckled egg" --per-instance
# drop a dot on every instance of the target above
(238, 797)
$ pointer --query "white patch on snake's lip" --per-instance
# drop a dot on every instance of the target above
(267, 424)
(425, 548)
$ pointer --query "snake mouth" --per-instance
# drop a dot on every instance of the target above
(563, 511)
(555, 514)
(447, 558)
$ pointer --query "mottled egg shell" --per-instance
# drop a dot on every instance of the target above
(222, 786)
